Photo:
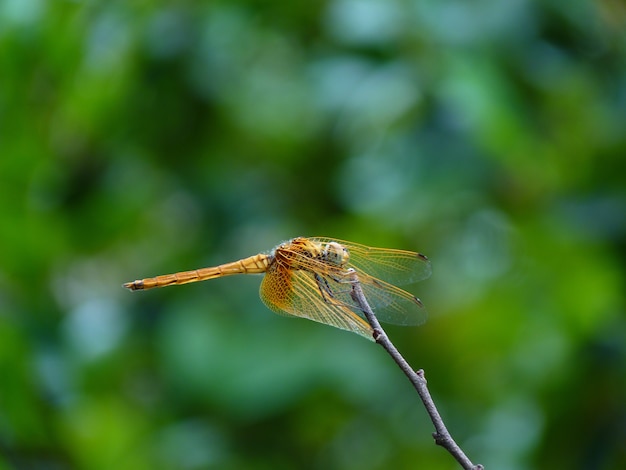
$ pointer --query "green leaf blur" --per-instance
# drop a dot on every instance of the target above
(141, 137)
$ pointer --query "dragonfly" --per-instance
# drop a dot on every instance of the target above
(312, 277)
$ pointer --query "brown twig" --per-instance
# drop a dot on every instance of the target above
(441, 435)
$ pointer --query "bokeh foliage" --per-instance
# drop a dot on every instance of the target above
(146, 137)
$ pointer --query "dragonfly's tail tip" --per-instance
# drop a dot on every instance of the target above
(134, 285)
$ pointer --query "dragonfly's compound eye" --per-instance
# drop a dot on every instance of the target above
(336, 253)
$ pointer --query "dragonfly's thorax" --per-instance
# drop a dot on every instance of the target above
(332, 253)
(335, 253)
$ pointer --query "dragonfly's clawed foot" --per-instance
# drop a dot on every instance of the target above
(348, 276)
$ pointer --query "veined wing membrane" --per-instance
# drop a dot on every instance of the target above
(396, 267)
(390, 303)
(298, 293)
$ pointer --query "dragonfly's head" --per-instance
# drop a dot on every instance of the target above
(336, 254)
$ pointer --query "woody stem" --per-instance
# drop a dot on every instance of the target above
(441, 435)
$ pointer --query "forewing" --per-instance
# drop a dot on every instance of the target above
(396, 267)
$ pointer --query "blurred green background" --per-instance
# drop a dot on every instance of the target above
(147, 137)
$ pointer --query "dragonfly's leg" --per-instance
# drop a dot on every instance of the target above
(350, 277)
(345, 277)
(325, 290)
(329, 296)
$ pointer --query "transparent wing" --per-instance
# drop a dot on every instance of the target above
(397, 267)
(321, 292)
(299, 293)
(392, 304)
